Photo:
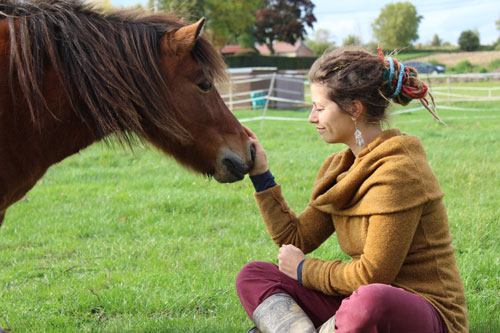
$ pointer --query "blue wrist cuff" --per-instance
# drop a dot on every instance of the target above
(299, 271)
(263, 181)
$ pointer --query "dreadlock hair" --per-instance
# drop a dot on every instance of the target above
(354, 74)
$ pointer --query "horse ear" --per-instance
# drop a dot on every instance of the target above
(182, 40)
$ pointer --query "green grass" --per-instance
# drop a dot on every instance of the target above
(114, 241)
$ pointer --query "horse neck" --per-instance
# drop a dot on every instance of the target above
(28, 149)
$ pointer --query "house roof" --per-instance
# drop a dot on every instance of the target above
(234, 49)
(281, 47)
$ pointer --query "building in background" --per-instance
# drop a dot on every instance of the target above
(299, 49)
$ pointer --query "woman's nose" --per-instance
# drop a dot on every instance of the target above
(312, 117)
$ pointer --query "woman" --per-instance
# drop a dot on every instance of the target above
(383, 201)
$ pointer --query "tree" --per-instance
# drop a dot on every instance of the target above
(497, 43)
(397, 25)
(189, 9)
(247, 39)
(283, 20)
(469, 40)
(436, 41)
(104, 5)
(321, 42)
(226, 19)
(352, 40)
(229, 19)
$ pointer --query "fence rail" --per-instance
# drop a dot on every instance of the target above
(272, 90)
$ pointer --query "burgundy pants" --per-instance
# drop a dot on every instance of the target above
(371, 308)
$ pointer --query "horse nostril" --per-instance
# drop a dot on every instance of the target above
(234, 164)
(229, 164)
(252, 152)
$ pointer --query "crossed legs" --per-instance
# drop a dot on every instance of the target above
(371, 308)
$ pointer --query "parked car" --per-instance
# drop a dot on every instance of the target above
(425, 67)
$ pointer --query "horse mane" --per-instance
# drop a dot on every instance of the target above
(108, 64)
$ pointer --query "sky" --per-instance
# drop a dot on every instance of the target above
(446, 18)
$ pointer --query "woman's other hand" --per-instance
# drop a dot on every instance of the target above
(289, 258)
(260, 163)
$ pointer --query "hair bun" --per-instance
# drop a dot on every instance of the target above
(404, 85)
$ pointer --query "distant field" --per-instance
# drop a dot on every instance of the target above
(111, 241)
(478, 58)
(415, 55)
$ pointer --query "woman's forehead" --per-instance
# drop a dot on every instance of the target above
(319, 93)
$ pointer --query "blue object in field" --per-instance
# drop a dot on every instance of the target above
(258, 100)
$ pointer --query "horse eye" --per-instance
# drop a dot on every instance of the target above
(205, 86)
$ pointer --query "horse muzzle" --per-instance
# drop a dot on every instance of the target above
(233, 167)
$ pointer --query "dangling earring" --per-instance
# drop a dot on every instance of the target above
(358, 136)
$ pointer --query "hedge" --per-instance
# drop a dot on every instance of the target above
(288, 63)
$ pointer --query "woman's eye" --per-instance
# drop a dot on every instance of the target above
(205, 86)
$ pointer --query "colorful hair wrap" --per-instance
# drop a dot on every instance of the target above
(400, 81)
(336, 68)
(407, 86)
(391, 74)
(379, 49)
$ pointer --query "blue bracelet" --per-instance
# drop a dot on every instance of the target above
(299, 271)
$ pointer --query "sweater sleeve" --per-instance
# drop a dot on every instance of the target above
(387, 243)
(263, 181)
(306, 231)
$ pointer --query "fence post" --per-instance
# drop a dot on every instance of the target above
(269, 93)
(449, 90)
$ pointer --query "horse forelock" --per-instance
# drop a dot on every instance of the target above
(108, 64)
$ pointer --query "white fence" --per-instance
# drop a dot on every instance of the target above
(262, 91)
(460, 93)
(291, 91)
(447, 91)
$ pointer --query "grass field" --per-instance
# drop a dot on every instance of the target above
(114, 241)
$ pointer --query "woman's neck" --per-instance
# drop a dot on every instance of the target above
(369, 131)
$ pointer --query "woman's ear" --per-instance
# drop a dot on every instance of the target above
(357, 109)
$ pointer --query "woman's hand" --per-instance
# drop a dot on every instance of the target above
(289, 258)
(260, 163)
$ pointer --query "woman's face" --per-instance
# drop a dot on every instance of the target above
(332, 123)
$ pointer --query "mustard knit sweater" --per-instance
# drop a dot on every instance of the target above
(387, 211)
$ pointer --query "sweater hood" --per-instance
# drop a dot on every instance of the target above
(390, 175)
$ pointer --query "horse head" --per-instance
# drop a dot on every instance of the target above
(74, 73)
(213, 141)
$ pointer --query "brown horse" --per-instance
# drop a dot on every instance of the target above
(71, 76)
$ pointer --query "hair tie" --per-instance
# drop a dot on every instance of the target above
(400, 81)
(336, 68)
(379, 49)
(391, 73)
